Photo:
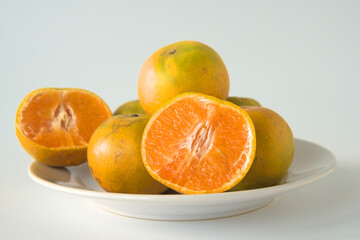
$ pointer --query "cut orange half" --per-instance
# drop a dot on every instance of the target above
(199, 144)
(55, 125)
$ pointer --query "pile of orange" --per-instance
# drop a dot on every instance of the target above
(184, 132)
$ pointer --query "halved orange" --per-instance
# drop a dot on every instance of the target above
(54, 125)
(199, 144)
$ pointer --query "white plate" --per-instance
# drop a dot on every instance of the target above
(311, 163)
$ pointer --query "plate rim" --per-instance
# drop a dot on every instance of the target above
(165, 198)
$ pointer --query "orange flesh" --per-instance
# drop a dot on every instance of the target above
(61, 118)
(199, 146)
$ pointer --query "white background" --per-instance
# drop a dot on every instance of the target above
(299, 58)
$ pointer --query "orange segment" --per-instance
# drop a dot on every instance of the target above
(53, 124)
(199, 144)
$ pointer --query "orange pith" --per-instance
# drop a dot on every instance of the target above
(199, 144)
(55, 123)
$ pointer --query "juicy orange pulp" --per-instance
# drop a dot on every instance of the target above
(199, 144)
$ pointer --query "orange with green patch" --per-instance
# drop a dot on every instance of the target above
(114, 156)
(186, 66)
(275, 148)
(243, 101)
(129, 107)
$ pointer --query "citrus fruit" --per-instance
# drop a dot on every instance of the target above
(243, 101)
(275, 149)
(54, 125)
(129, 107)
(114, 156)
(198, 144)
(186, 66)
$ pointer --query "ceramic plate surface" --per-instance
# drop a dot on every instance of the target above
(311, 163)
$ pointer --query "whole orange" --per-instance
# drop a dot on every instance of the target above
(114, 156)
(243, 101)
(186, 66)
(129, 107)
(275, 148)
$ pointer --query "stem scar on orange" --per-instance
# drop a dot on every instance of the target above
(199, 144)
(55, 125)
